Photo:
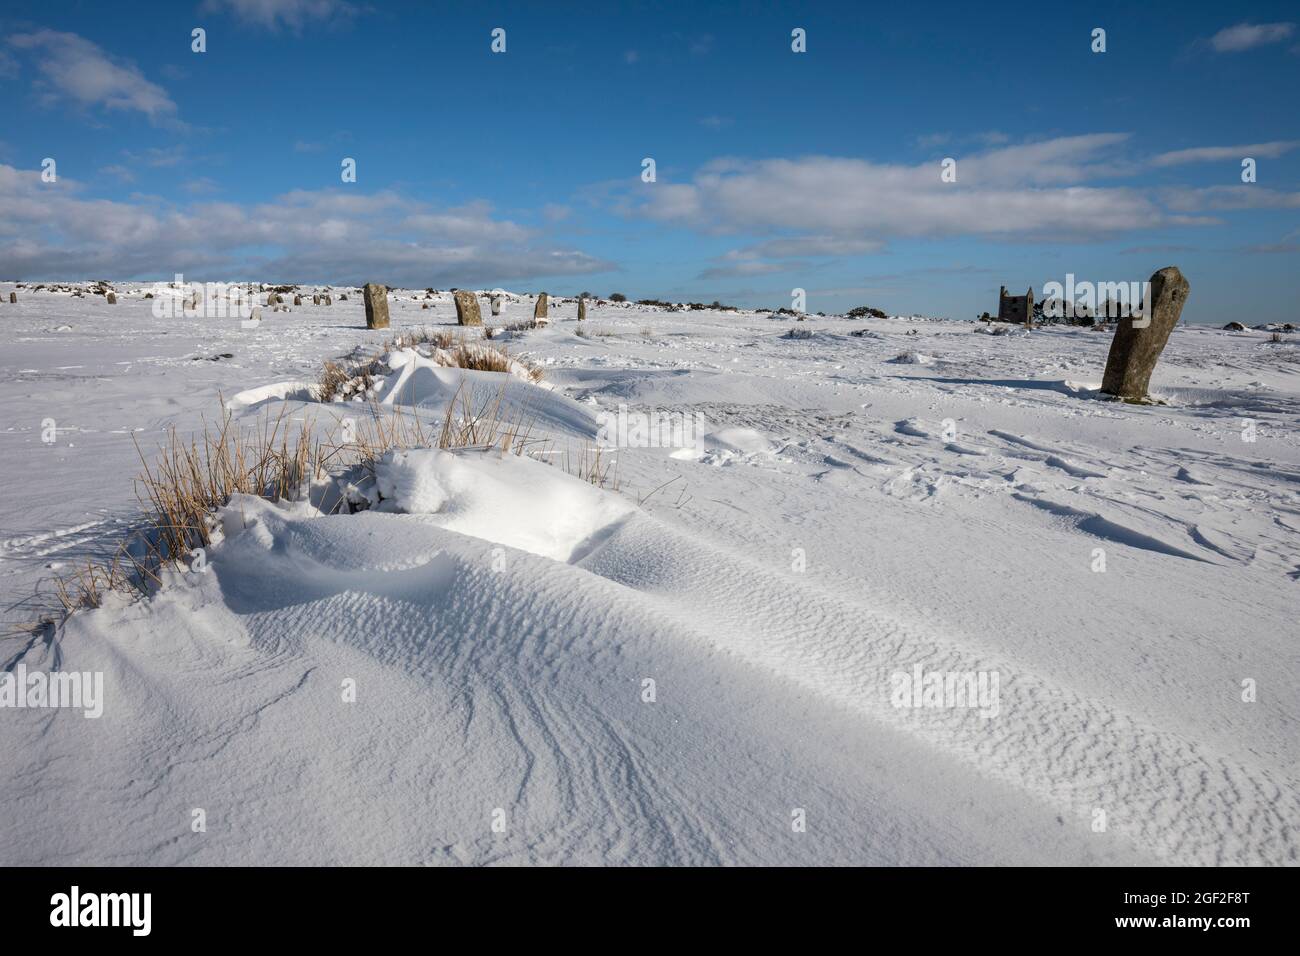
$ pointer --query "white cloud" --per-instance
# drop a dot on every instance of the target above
(931, 140)
(1023, 191)
(73, 68)
(200, 186)
(701, 45)
(1246, 36)
(1225, 198)
(744, 269)
(160, 157)
(1208, 154)
(120, 173)
(294, 14)
(802, 246)
(49, 230)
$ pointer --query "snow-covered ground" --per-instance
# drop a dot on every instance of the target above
(707, 664)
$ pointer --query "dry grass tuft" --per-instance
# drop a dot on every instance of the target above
(86, 586)
(489, 358)
(447, 347)
(441, 338)
(593, 466)
(189, 480)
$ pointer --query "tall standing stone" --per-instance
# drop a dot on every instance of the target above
(13, 298)
(376, 297)
(315, 300)
(582, 308)
(539, 310)
(497, 302)
(297, 300)
(329, 299)
(467, 312)
(111, 298)
(1140, 339)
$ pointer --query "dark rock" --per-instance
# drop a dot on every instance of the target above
(376, 298)
(467, 310)
(1134, 351)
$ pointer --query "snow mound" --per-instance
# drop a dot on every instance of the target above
(726, 445)
(506, 499)
(744, 441)
(912, 358)
(424, 382)
(276, 391)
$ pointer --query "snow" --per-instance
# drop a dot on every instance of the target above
(508, 499)
(852, 516)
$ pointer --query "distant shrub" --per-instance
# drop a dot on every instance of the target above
(617, 297)
(866, 311)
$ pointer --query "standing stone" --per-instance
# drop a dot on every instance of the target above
(497, 302)
(539, 310)
(13, 298)
(376, 297)
(582, 308)
(329, 300)
(1134, 351)
(467, 312)
(112, 298)
(315, 300)
(297, 300)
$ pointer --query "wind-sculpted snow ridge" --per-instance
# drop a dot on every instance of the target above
(521, 673)
(481, 685)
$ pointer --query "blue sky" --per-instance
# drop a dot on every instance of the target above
(775, 170)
